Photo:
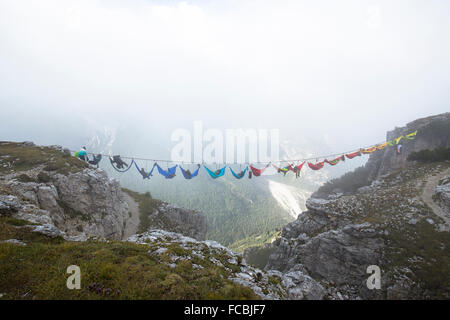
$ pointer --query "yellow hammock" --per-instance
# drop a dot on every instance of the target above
(382, 146)
(368, 150)
(398, 139)
(411, 135)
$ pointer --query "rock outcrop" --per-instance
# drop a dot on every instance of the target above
(190, 223)
(388, 225)
(82, 205)
(272, 284)
(433, 132)
(45, 185)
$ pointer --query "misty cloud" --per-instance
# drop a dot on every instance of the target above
(344, 71)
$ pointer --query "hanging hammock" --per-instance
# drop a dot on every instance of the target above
(316, 166)
(117, 159)
(335, 161)
(257, 172)
(382, 146)
(284, 169)
(298, 168)
(170, 173)
(352, 155)
(96, 159)
(187, 174)
(215, 174)
(398, 139)
(239, 175)
(411, 136)
(368, 150)
(144, 174)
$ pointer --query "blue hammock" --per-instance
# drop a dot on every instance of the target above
(168, 174)
(214, 174)
(238, 175)
(143, 173)
(192, 175)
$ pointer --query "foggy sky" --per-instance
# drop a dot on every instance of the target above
(347, 71)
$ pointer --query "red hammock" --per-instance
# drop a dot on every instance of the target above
(316, 166)
(299, 167)
(335, 161)
(354, 154)
(257, 172)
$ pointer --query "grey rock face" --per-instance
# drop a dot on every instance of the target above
(433, 132)
(270, 284)
(299, 286)
(8, 204)
(340, 256)
(187, 222)
(86, 203)
(49, 230)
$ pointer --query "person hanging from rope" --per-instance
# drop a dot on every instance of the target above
(82, 154)
(120, 164)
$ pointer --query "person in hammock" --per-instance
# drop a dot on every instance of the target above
(170, 176)
(143, 173)
(120, 164)
(188, 173)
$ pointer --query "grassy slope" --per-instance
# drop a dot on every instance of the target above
(24, 158)
(109, 270)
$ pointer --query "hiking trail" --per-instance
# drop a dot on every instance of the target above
(427, 197)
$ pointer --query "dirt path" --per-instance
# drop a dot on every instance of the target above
(132, 223)
(427, 197)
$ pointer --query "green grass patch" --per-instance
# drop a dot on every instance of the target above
(114, 270)
(23, 158)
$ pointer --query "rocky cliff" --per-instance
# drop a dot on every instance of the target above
(46, 185)
(399, 222)
(433, 133)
